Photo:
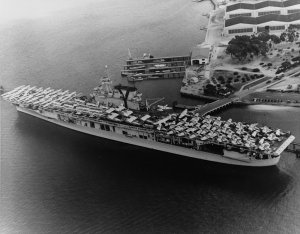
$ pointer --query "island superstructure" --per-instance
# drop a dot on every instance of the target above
(104, 94)
(106, 113)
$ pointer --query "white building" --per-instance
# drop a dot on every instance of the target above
(252, 16)
(200, 55)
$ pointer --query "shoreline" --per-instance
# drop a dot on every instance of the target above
(189, 90)
(214, 4)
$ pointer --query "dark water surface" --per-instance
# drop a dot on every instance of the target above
(54, 180)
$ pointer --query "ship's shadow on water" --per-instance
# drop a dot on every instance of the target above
(132, 188)
(153, 164)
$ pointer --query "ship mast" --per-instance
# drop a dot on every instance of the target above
(106, 82)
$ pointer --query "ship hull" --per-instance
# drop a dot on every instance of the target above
(228, 158)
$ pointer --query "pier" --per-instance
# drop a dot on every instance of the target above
(215, 106)
(294, 148)
(155, 68)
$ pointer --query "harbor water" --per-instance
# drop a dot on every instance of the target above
(54, 180)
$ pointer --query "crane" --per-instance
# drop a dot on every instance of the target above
(155, 100)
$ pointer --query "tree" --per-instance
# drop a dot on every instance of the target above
(235, 51)
(283, 36)
(242, 46)
(264, 36)
(263, 48)
(210, 90)
(291, 37)
(255, 43)
(286, 65)
(238, 47)
(275, 39)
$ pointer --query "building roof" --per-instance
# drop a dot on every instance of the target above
(199, 53)
(260, 5)
(262, 19)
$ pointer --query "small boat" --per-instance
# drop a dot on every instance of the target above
(153, 77)
(133, 78)
(160, 65)
(137, 67)
(125, 73)
(138, 78)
